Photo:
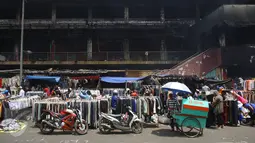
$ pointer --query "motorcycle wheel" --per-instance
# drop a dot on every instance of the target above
(102, 129)
(44, 128)
(246, 122)
(79, 129)
(137, 127)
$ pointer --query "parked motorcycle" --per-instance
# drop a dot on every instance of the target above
(66, 120)
(246, 117)
(124, 122)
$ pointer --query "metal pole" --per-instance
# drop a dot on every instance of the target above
(21, 41)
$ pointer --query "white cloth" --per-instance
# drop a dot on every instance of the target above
(190, 98)
(22, 93)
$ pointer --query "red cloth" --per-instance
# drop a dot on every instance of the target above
(134, 94)
(47, 90)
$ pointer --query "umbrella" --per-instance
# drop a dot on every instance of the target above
(176, 86)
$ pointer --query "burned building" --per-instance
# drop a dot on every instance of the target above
(102, 34)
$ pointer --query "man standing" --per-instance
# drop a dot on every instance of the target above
(173, 107)
(114, 101)
(21, 92)
(218, 109)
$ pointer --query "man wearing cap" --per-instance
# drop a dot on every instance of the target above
(21, 92)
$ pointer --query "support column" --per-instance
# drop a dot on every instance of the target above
(126, 13)
(197, 13)
(89, 49)
(16, 51)
(90, 16)
(163, 53)
(222, 40)
(162, 14)
(53, 14)
(18, 15)
(126, 49)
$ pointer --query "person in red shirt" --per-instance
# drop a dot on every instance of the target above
(47, 91)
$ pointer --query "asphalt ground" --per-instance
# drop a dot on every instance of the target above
(162, 134)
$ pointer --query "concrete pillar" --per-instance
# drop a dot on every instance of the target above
(18, 15)
(90, 16)
(197, 13)
(222, 40)
(162, 14)
(16, 51)
(53, 13)
(163, 52)
(126, 13)
(126, 49)
(89, 49)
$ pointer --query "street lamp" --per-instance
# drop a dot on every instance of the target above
(21, 41)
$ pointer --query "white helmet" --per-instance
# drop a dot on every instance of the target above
(115, 91)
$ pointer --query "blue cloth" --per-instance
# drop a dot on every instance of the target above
(46, 78)
(120, 79)
(114, 101)
(134, 105)
(84, 95)
(250, 104)
(5, 92)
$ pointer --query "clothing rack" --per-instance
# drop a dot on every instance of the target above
(90, 109)
(230, 112)
(144, 106)
(109, 91)
(33, 93)
(8, 109)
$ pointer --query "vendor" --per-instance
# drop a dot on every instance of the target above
(218, 109)
(21, 92)
(173, 107)
(47, 91)
(114, 101)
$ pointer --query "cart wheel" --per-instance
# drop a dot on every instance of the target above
(191, 127)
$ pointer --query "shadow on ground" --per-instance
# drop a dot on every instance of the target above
(59, 133)
(116, 132)
(167, 133)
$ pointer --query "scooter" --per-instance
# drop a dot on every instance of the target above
(245, 117)
(123, 122)
(67, 120)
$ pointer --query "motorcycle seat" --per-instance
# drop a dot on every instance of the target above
(115, 115)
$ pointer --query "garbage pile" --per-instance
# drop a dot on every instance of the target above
(10, 125)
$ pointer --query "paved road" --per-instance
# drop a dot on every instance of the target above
(149, 135)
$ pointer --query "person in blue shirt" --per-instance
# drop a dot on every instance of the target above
(114, 101)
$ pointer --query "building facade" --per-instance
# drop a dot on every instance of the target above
(99, 34)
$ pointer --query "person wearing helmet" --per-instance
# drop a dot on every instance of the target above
(114, 101)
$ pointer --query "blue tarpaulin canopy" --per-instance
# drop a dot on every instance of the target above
(120, 79)
(46, 78)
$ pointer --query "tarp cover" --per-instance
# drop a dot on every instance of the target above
(46, 78)
(120, 79)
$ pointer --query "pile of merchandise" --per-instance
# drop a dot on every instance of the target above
(11, 125)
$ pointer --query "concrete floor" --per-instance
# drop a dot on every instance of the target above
(149, 135)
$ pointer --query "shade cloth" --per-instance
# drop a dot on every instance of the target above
(46, 78)
(120, 79)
